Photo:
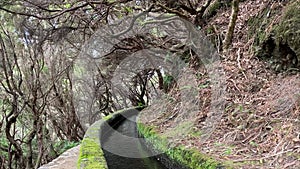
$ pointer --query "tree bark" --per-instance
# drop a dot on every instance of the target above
(230, 30)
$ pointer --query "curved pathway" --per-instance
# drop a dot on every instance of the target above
(67, 160)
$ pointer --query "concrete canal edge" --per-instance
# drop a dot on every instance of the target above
(177, 155)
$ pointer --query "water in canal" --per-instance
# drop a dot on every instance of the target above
(125, 152)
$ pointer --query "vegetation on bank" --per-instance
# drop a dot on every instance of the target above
(187, 157)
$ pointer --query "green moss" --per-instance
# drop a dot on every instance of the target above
(108, 117)
(190, 158)
(288, 31)
(259, 24)
(91, 155)
(277, 36)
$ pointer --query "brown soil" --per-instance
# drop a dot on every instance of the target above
(260, 127)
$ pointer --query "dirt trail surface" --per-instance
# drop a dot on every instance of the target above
(67, 160)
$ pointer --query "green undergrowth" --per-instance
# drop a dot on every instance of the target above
(190, 158)
(64, 145)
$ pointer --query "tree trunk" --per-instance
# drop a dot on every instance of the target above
(230, 30)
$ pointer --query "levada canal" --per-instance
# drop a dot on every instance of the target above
(123, 150)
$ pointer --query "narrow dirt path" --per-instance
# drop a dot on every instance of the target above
(67, 160)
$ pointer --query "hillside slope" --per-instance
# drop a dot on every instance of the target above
(260, 126)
